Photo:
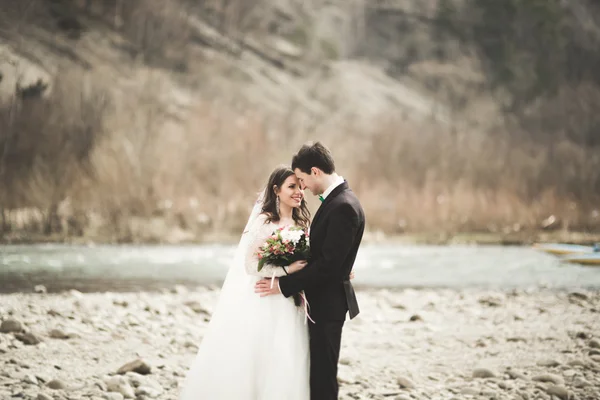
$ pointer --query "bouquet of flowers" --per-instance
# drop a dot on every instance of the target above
(283, 247)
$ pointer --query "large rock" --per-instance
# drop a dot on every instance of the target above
(11, 325)
(138, 366)
(28, 338)
(56, 384)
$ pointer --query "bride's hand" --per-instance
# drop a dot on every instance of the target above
(297, 266)
(351, 275)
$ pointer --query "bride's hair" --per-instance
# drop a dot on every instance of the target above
(301, 215)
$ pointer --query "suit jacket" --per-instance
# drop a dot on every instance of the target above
(335, 235)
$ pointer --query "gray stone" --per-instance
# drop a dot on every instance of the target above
(112, 396)
(516, 375)
(58, 334)
(197, 307)
(548, 363)
(470, 391)
(548, 378)
(148, 392)
(483, 373)
(577, 363)
(579, 382)
(11, 325)
(415, 318)
(28, 338)
(139, 366)
(40, 289)
(29, 378)
(119, 384)
(579, 295)
(405, 383)
(56, 384)
(559, 391)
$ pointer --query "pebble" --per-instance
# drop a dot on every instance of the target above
(139, 366)
(548, 363)
(559, 391)
(548, 378)
(483, 373)
(405, 383)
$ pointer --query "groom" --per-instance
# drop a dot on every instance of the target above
(335, 235)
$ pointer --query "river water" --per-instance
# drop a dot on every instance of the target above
(124, 268)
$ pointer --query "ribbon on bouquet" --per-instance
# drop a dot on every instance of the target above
(306, 308)
(305, 305)
(272, 280)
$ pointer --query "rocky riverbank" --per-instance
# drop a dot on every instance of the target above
(406, 344)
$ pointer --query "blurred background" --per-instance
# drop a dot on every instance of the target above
(157, 121)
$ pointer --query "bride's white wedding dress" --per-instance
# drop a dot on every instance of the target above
(255, 348)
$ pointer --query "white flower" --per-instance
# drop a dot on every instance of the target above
(292, 236)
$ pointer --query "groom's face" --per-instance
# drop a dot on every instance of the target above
(307, 181)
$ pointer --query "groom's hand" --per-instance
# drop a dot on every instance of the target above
(267, 287)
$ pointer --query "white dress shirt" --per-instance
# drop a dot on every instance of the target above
(337, 182)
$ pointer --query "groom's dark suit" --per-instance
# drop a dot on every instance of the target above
(335, 235)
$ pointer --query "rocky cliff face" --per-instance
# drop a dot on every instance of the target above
(323, 61)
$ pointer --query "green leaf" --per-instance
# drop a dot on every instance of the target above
(261, 264)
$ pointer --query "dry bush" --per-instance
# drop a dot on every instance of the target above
(158, 28)
(201, 176)
(420, 178)
(46, 142)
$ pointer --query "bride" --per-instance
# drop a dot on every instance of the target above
(256, 348)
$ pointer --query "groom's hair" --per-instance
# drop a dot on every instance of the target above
(314, 155)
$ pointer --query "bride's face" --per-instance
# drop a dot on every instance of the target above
(290, 193)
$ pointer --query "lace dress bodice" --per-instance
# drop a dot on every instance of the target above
(259, 231)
